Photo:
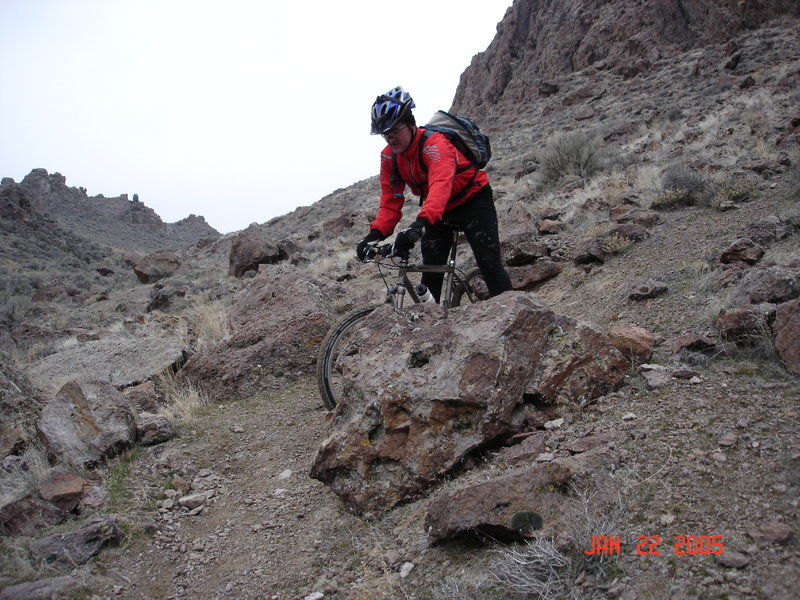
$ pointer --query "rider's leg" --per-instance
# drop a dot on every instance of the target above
(435, 251)
(478, 219)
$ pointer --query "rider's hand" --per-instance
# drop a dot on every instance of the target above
(361, 248)
(405, 240)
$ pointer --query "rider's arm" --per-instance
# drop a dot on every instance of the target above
(390, 209)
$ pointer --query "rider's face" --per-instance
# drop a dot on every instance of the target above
(399, 138)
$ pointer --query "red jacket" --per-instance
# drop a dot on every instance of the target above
(449, 182)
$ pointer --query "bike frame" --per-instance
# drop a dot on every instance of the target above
(396, 294)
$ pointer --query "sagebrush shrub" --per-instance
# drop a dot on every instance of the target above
(680, 177)
(574, 153)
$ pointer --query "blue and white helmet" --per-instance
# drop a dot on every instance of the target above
(389, 109)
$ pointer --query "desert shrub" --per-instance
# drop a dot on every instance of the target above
(616, 244)
(671, 199)
(685, 182)
(574, 153)
(732, 190)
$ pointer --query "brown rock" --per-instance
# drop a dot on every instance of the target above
(787, 334)
(634, 342)
(750, 322)
(528, 277)
(64, 491)
(155, 266)
(28, 515)
(423, 391)
(742, 250)
(487, 509)
(251, 248)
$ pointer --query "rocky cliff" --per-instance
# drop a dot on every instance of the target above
(540, 39)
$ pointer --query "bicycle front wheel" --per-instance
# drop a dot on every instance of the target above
(334, 347)
(472, 288)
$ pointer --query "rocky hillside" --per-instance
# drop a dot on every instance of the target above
(636, 392)
(121, 223)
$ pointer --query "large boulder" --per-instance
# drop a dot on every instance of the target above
(276, 327)
(251, 248)
(123, 361)
(425, 388)
(86, 423)
(155, 266)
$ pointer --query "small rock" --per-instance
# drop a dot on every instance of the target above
(285, 474)
(733, 559)
(545, 457)
(554, 424)
(406, 568)
(771, 533)
(193, 501)
(728, 439)
(628, 416)
(315, 596)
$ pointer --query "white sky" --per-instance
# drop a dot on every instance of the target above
(237, 110)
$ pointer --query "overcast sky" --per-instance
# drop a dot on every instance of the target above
(239, 111)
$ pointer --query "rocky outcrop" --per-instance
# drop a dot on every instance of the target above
(276, 327)
(114, 221)
(119, 360)
(542, 39)
(425, 389)
(251, 248)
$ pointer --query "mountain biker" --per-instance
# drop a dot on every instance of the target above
(451, 191)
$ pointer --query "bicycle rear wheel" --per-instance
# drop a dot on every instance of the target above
(334, 346)
(472, 288)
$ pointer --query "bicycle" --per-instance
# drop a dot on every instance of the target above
(457, 287)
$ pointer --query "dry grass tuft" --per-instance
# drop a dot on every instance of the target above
(208, 321)
(184, 400)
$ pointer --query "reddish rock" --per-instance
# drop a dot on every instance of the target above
(528, 277)
(743, 250)
(488, 509)
(251, 248)
(64, 491)
(526, 451)
(28, 515)
(746, 323)
(423, 390)
(773, 284)
(155, 266)
(634, 342)
(787, 334)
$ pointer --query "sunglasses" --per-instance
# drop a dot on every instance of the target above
(392, 133)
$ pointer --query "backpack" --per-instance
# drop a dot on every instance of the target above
(462, 132)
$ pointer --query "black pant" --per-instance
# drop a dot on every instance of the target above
(477, 218)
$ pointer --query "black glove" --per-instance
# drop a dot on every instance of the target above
(405, 240)
(373, 236)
